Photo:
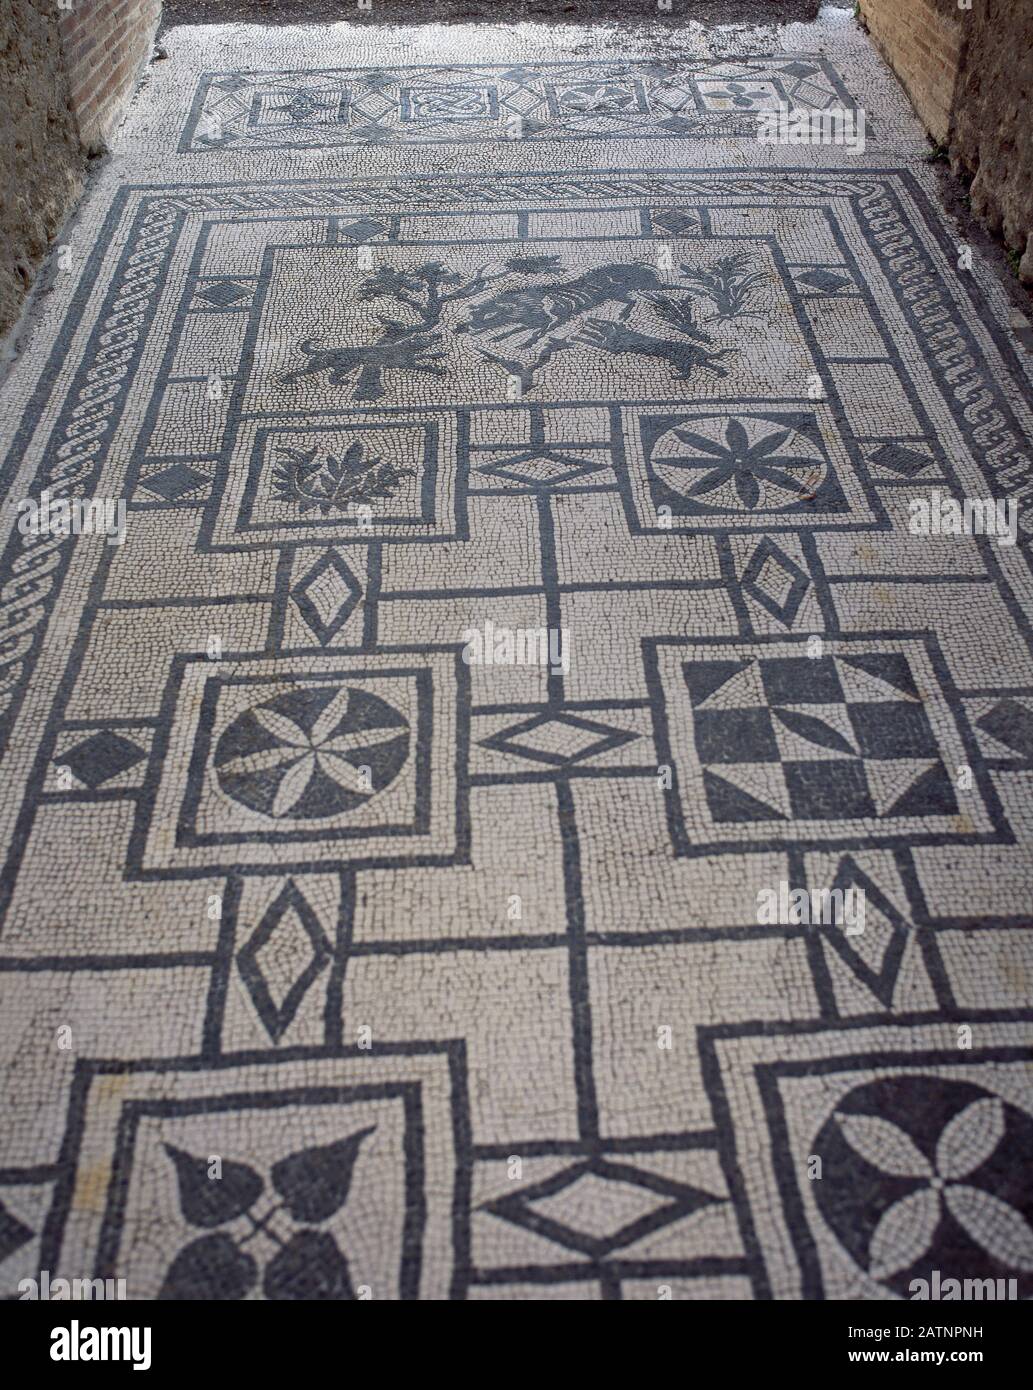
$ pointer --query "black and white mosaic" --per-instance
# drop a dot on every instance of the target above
(516, 582)
(468, 103)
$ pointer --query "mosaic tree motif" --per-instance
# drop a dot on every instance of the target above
(731, 286)
(533, 320)
(301, 755)
(403, 346)
(313, 1185)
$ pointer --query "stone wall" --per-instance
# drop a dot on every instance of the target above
(991, 139)
(67, 71)
(967, 66)
(41, 164)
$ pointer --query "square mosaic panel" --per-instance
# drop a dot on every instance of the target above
(331, 758)
(896, 1115)
(771, 743)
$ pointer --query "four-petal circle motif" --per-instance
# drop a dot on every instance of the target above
(940, 1185)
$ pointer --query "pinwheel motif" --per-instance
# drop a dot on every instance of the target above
(312, 753)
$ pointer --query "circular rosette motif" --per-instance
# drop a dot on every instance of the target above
(740, 465)
(312, 753)
(922, 1174)
(598, 96)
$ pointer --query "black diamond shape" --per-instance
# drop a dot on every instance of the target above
(175, 482)
(327, 629)
(674, 223)
(224, 293)
(798, 69)
(824, 280)
(100, 757)
(882, 981)
(519, 468)
(506, 740)
(676, 1200)
(363, 230)
(899, 459)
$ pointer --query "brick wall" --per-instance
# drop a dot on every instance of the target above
(923, 41)
(105, 44)
(968, 69)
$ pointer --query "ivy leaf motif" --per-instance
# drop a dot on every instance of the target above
(993, 1224)
(309, 1266)
(884, 1146)
(904, 1233)
(211, 1267)
(315, 1182)
(970, 1138)
(206, 1201)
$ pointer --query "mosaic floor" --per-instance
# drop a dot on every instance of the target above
(517, 586)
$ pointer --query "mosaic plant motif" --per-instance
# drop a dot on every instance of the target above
(334, 484)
